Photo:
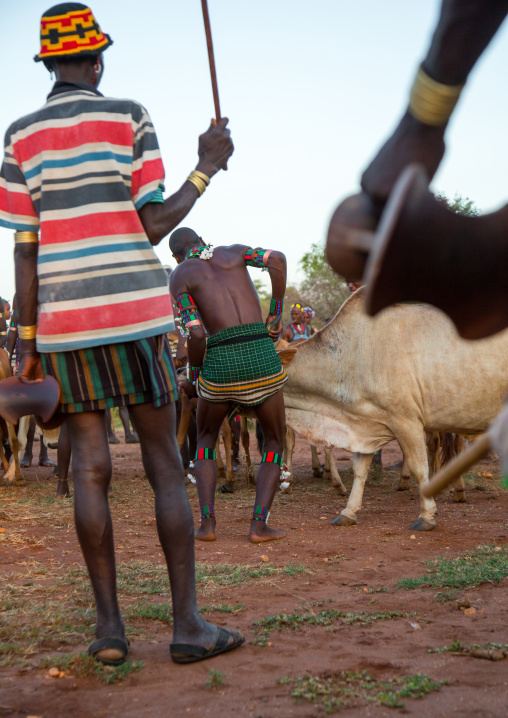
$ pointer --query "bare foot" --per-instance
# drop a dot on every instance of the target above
(260, 532)
(62, 490)
(206, 531)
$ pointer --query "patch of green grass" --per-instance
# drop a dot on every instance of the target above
(457, 647)
(485, 564)
(222, 608)
(283, 679)
(348, 690)
(215, 679)
(151, 611)
(292, 621)
(445, 596)
(291, 569)
(82, 665)
(144, 577)
(376, 589)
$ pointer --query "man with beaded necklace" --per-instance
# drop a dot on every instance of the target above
(241, 366)
(85, 170)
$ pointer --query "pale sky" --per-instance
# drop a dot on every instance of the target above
(311, 90)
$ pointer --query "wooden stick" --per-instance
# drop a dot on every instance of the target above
(211, 58)
(458, 466)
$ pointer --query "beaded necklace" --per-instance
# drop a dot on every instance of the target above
(204, 252)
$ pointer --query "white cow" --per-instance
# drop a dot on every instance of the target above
(361, 382)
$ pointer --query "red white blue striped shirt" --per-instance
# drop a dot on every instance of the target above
(78, 170)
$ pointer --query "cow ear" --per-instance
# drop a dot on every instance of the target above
(286, 356)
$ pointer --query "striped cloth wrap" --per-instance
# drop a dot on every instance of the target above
(122, 374)
(241, 366)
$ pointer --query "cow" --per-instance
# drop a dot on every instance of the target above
(361, 382)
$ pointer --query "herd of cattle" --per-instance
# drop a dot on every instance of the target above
(362, 382)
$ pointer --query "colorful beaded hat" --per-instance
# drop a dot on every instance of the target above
(68, 29)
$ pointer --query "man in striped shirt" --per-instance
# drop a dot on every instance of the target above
(85, 172)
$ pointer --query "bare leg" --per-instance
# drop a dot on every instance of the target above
(227, 437)
(64, 460)
(91, 469)
(26, 461)
(272, 418)
(163, 467)
(209, 419)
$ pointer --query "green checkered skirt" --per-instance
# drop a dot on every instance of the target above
(120, 374)
(241, 366)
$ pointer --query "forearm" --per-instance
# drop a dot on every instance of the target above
(159, 220)
(196, 347)
(12, 335)
(276, 266)
(463, 32)
(25, 263)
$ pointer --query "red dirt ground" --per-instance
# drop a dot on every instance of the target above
(343, 565)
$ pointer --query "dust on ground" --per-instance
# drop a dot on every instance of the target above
(358, 637)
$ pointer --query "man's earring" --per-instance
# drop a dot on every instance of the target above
(96, 71)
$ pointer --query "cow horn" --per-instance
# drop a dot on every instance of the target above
(19, 399)
(424, 252)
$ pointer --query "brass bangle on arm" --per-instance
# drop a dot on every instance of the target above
(27, 332)
(25, 237)
(199, 180)
(431, 102)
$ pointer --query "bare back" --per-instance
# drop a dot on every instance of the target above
(221, 288)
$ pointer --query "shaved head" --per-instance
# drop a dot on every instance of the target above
(183, 240)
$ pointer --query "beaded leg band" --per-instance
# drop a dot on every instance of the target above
(261, 513)
(207, 512)
(205, 454)
(270, 457)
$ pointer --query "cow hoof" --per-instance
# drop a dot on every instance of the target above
(341, 490)
(423, 525)
(343, 520)
(459, 497)
(403, 485)
(226, 489)
(317, 473)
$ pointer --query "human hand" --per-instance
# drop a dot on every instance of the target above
(215, 148)
(274, 325)
(188, 388)
(30, 365)
(412, 141)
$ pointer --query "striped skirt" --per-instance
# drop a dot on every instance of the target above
(241, 366)
(113, 375)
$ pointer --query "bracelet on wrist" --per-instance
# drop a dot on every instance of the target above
(193, 373)
(27, 332)
(431, 102)
(276, 306)
(199, 180)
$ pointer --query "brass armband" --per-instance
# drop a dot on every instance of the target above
(431, 102)
(27, 332)
(25, 237)
(199, 180)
